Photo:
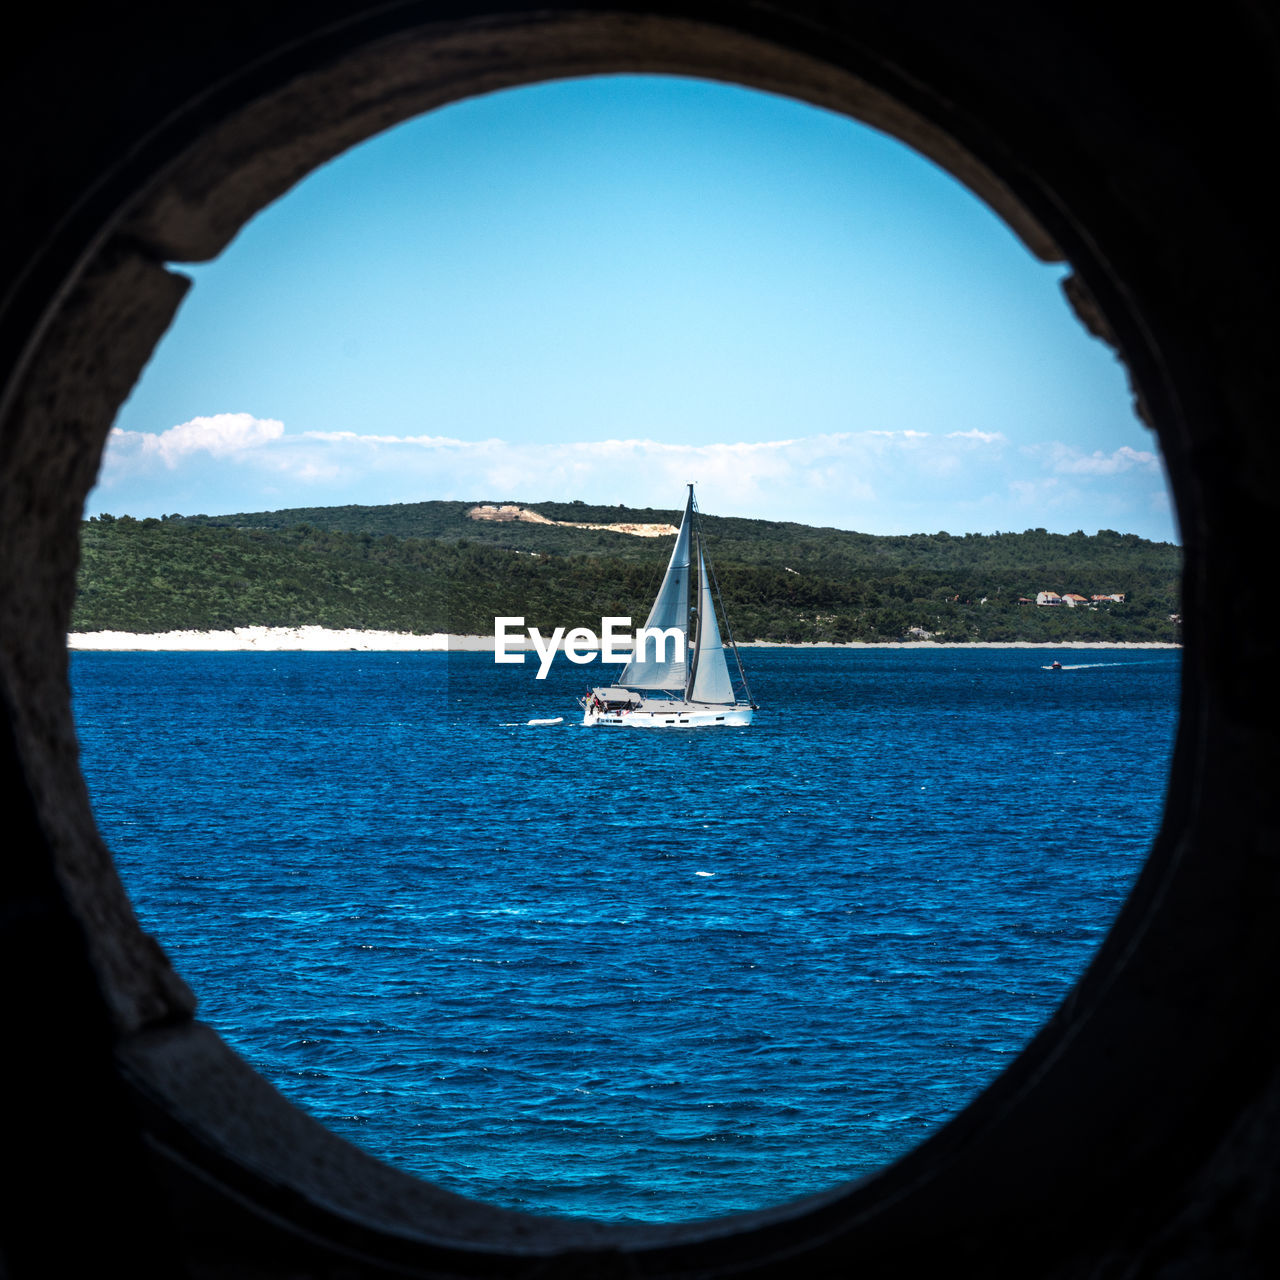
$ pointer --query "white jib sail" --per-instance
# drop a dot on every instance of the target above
(711, 682)
(661, 663)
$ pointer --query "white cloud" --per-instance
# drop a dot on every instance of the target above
(876, 480)
(978, 437)
(1067, 460)
(223, 435)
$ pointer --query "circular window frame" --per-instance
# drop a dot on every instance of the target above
(1169, 1008)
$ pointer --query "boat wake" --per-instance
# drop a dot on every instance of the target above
(1084, 666)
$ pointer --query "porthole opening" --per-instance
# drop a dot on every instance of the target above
(489, 896)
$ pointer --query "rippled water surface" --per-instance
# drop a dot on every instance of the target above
(655, 975)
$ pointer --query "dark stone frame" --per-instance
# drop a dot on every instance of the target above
(1136, 1134)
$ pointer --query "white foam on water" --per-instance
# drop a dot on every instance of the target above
(1084, 666)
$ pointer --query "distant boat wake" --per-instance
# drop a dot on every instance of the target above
(1084, 666)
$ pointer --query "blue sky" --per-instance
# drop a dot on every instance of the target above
(604, 288)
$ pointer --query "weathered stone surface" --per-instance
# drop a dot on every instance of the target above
(1135, 1135)
(90, 357)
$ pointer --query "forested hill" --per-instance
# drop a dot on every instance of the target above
(425, 567)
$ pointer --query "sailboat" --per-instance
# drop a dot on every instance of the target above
(678, 675)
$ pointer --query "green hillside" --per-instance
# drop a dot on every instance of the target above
(425, 567)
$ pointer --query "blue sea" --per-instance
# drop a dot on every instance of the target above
(628, 975)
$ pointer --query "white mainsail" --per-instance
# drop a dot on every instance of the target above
(662, 665)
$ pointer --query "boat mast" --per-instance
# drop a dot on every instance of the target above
(695, 587)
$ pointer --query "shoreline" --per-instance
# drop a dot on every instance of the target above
(323, 640)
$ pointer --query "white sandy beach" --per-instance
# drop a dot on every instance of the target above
(321, 640)
(310, 639)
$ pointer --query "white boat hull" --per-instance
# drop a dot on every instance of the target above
(680, 715)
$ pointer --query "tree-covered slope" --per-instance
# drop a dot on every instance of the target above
(426, 567)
